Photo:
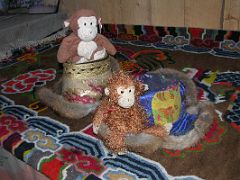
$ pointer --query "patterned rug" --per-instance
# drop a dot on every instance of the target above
(49, 147)
(228, 84)
(37, 136)
(219, 43)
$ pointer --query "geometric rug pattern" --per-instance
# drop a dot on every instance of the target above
(48, 146)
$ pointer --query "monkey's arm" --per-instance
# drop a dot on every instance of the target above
(68, 49)
(100, 115)
(104, 42)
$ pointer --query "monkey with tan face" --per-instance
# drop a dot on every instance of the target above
(122, 114)
(85, 43)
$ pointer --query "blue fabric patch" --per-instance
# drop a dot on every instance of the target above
(156, 83)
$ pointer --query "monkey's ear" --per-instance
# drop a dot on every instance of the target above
(145, 87)
(106, 91)
(100, 24)
(66, 23)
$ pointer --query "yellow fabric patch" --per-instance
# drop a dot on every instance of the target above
(166, 106)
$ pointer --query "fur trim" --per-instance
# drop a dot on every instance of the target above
(63, 107)
(146, 143)
(114, 65)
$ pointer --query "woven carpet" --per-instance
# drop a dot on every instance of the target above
(61, 148)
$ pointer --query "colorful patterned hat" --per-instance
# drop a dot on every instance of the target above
(165, 104)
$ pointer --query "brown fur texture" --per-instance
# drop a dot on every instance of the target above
(147, 143)
(120, 121)
(68, 48)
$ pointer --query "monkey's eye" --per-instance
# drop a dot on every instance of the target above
(130, 90)
(122, 92)
(91, 23)
(85, 24)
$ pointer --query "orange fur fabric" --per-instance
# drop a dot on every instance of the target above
(122, 121)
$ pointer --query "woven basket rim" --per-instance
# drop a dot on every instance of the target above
(90, 62)
(89, 69)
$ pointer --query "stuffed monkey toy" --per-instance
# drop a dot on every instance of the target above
(84, 43)
(121, 112)
(78, 95)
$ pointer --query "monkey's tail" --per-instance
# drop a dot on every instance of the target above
(63, 107)
(148, 143)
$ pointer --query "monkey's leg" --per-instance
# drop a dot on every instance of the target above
(115, 142)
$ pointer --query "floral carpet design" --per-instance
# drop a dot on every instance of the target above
(26, 82)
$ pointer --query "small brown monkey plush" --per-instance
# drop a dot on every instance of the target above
(121, 112)
(84, 43)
